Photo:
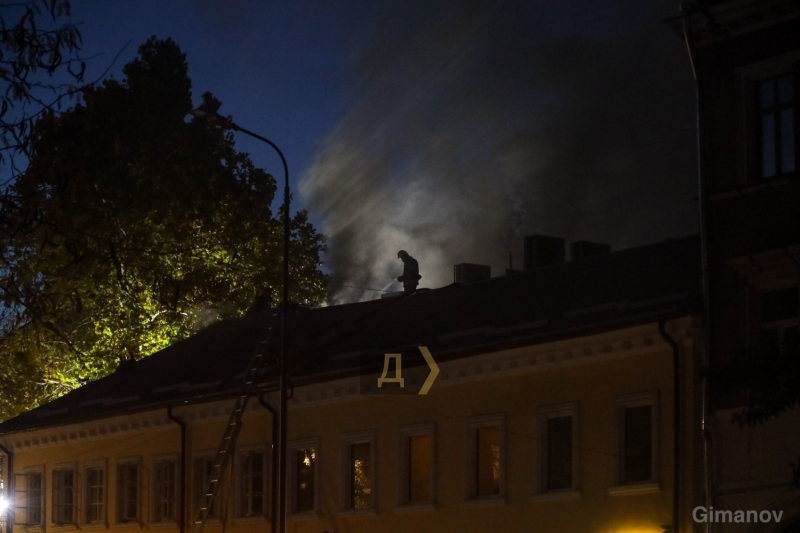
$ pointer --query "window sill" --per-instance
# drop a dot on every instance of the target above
(367, 511)
(33, 528)
(94, 525)
(165, 524)
(415, 508)
(64, 527)
(634, 489)
(485, 501)
(557, 496)
(256, 519)
(756, 185)
(303, 516)
(128, 525)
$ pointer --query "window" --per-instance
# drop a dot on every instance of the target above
(64, 494)
(252, 482)
(128, 477)
(34, 497)
(780, 318)
(775, 125)
(416, 464)
(165, 486)
(558, 430)
(359, 470)
(302, 458)
(202, 469)
(486, 456)
(95, 479)
(636, 417)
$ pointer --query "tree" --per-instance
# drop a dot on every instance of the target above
(34, 49)
(132, 228)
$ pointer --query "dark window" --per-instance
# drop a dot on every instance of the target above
(780, 317)
(559, 453)
(95, 494)
(252, 484)
(164, 485)
(306, 474)
(203, 470)
(419, 468)
(64, 496)
(775, 123)
(638, 444)
(127, 492)
(34, 503)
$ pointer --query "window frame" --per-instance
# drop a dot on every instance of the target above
(36, 470)
(404, 463)
(347, 442)
(121, 494)
(621, 404)
(156, 491)
(56, 502)
(239, 481)
(213, 517)
(543, 415)
(95, 464)
(749, 124)
(292, 448)
(473, 424)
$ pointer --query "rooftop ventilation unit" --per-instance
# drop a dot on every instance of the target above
(541, 250)
(470, 273)
(583, 249)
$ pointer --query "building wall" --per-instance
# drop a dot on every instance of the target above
(591, 371)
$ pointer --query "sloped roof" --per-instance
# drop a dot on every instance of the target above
(596, 294)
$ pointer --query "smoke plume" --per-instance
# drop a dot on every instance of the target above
(475, 126)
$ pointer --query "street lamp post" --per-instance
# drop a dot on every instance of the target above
(219, 120)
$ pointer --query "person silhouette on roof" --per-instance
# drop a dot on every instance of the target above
(410, 277)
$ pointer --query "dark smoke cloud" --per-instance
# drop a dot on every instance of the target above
(476, 126)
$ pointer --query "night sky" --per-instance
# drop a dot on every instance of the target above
(447, 129)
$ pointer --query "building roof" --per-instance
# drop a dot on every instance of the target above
(572, 299)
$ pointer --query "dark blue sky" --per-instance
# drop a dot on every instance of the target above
(447, 128)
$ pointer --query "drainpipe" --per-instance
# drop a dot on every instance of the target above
(676, 395)
(687, 10)
(183, 468)
(9, 486)
(274, 476)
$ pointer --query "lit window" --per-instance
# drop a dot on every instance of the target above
(486, 452)
(95, 478)
(359, 470)
(776, 135)
(637, 438)
(64, 495)
(252, 483)
(416, 464)
(302, 459)
(165, 483)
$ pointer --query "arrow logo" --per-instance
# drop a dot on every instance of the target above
(434, 370)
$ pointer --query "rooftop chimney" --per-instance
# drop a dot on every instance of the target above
(541, 250)
(583, 249)
(469, 273)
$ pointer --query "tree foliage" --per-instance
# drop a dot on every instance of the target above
(38, 44)
(132, 228)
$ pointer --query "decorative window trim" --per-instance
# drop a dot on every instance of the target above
(473, 423)
(621, 403)
(543, 415)
(237, 480)
(347, 441)
(292, 448)
(168, 457)
(75, 496)
(102, 522)
(404, 463)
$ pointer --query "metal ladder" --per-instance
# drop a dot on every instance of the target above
(228, 442)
